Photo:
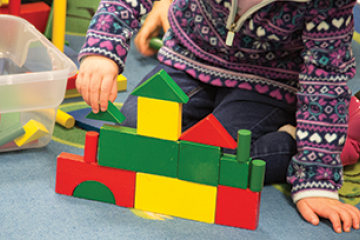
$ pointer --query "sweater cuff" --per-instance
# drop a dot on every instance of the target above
(315, 193)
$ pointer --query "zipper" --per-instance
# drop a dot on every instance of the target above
(234, 27)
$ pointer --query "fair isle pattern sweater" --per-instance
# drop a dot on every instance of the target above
(297, 51)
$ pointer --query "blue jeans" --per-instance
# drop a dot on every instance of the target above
(235, 109)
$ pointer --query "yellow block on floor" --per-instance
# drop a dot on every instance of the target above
(33, 130)
(159, 118)
(175, 197)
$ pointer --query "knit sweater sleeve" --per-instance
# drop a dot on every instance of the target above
(112, 27)
(323, 99)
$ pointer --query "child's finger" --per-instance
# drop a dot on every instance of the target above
(114, 90)
(307, 213)
(106, 88)
(94, 90)
(346, 218)
(334, 218)
(355, 215)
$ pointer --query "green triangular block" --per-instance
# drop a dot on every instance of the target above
(112, 114)
(161, 86)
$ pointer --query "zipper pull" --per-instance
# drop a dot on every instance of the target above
(230, 35)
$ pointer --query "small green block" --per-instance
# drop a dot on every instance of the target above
(161, 86)
(244, 144)
(257, 175)
(11, 134)
(112, 114)
(94, 190)
(199, 163)
(234, 173)
(121, 147)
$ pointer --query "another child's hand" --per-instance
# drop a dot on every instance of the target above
(97, 81)
(334, 210)
(155, 20)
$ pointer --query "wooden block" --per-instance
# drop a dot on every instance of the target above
(244, 145)
(237, 207)
(257, 175)
(175, 197)
(91, 146)
(159, 118)
(71, 82)
(199, 163)
(161, 86)
(94, 190)
(11, 133)
(121, 147)
(234, 173)
(112, 114)
(33, 130)
(87, 124)
(64, 119)
(72, 170)
(209, 131)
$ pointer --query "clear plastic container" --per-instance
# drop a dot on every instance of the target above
(33, 78)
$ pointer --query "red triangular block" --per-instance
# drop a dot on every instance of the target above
(209, 131)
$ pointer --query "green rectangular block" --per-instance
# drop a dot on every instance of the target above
(234, 173)
(121, 147)
(199, 163)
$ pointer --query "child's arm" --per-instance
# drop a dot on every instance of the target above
(316, 171)
(109, 34)
(155, 20)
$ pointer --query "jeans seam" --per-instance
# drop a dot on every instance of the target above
(267, 116)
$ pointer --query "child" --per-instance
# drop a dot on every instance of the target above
(261, 65)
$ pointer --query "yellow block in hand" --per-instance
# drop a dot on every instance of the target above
(64, 119)
(4, 2)
(175, 197)
(33, 130)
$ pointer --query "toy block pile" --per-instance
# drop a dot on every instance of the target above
(157, 168)
(14, 134)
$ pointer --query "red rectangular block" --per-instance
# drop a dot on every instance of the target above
(72, 170)
(237, 207)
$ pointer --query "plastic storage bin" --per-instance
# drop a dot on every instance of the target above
(33, 77)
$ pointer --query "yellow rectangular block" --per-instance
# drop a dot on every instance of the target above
(159, 118)
(175, 197)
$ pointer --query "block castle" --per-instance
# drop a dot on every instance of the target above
(157, 168)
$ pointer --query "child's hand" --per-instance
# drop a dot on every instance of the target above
(334, 210)
(155, 20)
(97, 80)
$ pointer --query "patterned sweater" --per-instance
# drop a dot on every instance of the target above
(294, 51)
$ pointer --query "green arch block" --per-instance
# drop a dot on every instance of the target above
(94, 190)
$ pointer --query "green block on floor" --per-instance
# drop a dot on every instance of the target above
(199, 163)
(121, 147)
(94, 190)
(234, 173)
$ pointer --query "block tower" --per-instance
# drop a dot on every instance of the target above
(157, 168)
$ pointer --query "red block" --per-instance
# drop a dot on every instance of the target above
(36, 13)
(91, 146)
(72, 170)
(237, 207)
(211, 132)
(71, 82)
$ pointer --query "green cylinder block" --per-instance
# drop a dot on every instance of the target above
(257, 175)
(244, 143)
(156, 43)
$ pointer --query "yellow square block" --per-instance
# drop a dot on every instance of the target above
(159, 118)
(175, 197)
(33, 130)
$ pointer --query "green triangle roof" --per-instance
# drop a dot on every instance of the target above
(161, 86)
(112, 114)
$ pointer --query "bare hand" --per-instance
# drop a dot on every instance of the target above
(155, 20)
(97, 81)
(334, 210)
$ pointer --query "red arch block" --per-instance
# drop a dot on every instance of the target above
(72, 170)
